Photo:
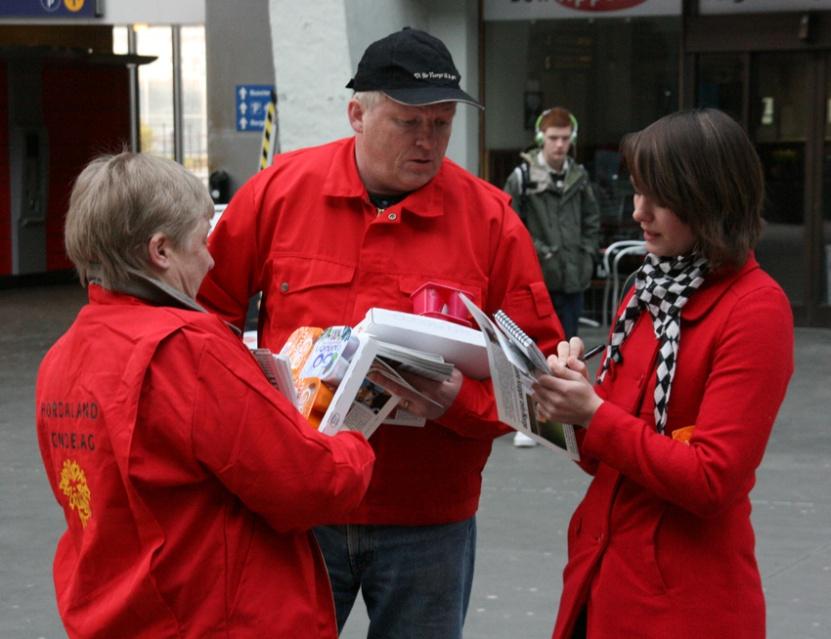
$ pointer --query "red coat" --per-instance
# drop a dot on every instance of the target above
(188, 484)
(304, 232)
(662, 545)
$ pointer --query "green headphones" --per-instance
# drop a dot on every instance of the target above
(539, 135)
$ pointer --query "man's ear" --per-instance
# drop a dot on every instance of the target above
(356, 113)
(158, 252)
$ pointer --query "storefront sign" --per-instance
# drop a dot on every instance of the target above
(761, 6)
(51, 8)
(557, 9)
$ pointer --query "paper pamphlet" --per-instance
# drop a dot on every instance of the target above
(462, 346)
(277, 370)
(427, 365)
(401, 417)
(512, 374)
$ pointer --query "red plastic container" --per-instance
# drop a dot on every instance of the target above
(441, 302)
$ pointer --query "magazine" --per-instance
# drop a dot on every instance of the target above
(277, 370)
(515, 361)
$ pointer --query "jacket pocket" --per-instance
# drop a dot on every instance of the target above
(306, 287)
(542, 300)
(299, 274)
(636, 523)
(586, 269)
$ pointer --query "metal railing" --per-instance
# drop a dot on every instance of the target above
(610, 269)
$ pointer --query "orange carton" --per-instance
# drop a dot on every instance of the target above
(313, 398)
(298, 347)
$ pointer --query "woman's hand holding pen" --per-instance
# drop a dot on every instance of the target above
(570, 354)
(567, 395)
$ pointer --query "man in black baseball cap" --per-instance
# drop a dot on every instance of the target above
(407, 77)
(411, 67)
(331, 231)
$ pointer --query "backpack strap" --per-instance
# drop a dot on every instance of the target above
(524, 180)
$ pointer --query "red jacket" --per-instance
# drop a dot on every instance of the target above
(188, 483)
(305, 233)
(662, 545)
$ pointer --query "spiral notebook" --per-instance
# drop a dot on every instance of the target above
(524, 344)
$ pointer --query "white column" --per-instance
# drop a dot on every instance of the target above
(311, 67)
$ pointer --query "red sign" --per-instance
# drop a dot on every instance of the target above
(599, 5)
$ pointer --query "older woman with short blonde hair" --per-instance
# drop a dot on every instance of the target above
(188, 484)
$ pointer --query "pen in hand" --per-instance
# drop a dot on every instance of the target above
(596, 350)
(592, 352)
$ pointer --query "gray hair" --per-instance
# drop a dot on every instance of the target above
(118, 203)
(369, 99)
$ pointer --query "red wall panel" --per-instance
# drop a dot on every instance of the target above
(5, 191)
(86, 112)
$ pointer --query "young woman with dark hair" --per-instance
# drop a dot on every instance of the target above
(677, 422)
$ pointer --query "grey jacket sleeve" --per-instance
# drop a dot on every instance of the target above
(589, 221)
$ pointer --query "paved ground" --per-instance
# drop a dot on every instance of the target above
(528, 496)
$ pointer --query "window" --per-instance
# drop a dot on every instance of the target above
(157, 125)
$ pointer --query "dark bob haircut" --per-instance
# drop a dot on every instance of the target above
(701, 165)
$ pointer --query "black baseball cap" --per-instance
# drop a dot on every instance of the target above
(411, 67)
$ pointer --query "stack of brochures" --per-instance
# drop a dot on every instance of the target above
(411, 360)
(336, 376)
(340, 378)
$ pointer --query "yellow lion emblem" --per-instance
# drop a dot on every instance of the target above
(74, 486)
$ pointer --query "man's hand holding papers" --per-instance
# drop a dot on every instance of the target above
(423, 396)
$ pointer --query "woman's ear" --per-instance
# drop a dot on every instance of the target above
(158, 252)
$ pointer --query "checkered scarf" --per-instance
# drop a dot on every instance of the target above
(662, 286)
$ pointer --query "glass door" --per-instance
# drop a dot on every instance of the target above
(824, 226)
(780, 120)
(783, 100)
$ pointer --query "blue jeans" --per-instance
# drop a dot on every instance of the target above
(415, 580)
(568, 307)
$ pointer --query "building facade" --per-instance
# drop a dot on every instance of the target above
(616, 64)
(621, 64)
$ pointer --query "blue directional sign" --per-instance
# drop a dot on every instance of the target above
(51, 8)
(252, 101)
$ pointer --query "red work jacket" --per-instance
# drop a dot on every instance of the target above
(188, 484)
(305, 233)
(662, 544)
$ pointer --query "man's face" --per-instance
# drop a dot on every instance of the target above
(399, 148)
(555, 146)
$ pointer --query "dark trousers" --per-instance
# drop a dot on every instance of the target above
(568, 307)
(415, 580)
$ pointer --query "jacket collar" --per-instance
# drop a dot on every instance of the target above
(343, 181)
(152, 290)
(714, 287)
